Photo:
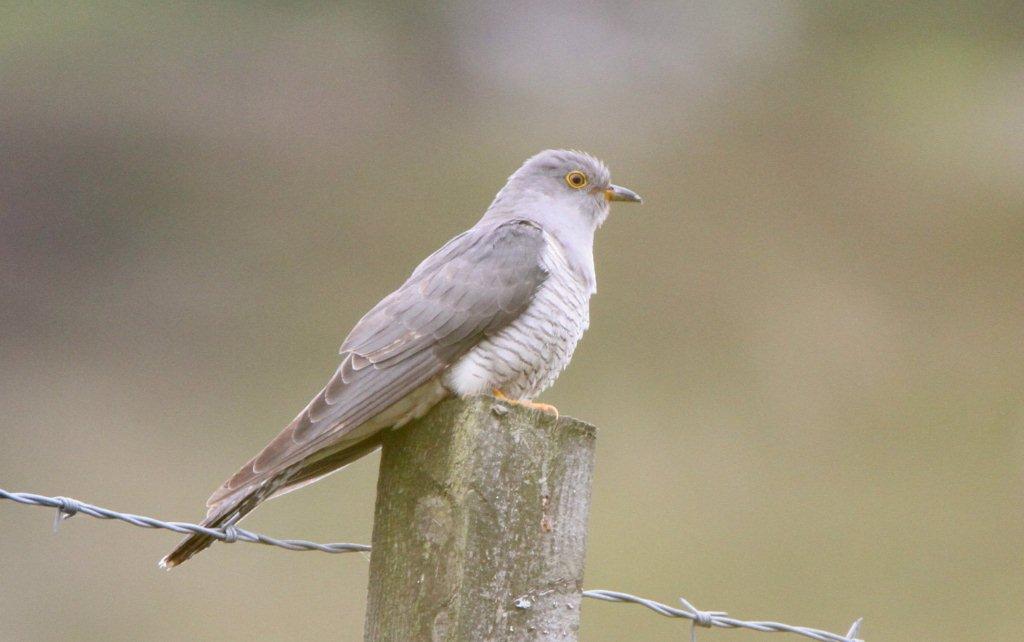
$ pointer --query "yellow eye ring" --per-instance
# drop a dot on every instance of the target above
(576, 179)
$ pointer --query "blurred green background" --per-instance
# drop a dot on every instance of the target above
(806, 352)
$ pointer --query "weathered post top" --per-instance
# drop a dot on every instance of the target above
(480, 526)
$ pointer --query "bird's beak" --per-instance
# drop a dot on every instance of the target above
(616, 193)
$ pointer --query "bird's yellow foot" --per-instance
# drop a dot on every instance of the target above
(546, 408)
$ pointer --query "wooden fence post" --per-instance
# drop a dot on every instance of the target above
(480, 526)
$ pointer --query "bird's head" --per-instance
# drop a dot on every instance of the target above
(557, 184)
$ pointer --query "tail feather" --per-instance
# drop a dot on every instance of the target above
(231, 509)
(226, 513)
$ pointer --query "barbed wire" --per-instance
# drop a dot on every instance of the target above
(721, 619)
(68, 507)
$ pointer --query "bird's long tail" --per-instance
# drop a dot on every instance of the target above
(231, 509)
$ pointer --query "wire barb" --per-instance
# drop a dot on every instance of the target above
(230, 534)
(67, 507)
(700, 618)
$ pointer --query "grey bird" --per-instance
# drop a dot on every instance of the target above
(498, 309)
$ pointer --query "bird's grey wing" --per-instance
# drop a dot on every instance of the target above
(473, 286)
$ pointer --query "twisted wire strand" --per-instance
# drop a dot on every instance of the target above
(720, 619)
(68, 507)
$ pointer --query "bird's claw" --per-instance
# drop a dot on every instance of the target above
(546, 408)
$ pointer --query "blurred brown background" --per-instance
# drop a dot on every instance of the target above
(807, 349)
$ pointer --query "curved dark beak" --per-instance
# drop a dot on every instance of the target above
(617, 193)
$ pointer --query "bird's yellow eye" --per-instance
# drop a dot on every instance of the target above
(576, 179)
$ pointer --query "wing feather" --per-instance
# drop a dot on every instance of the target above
(474, 285)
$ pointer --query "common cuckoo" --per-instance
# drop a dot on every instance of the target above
(498, 309)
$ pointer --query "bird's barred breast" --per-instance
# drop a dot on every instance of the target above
(525, 357)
